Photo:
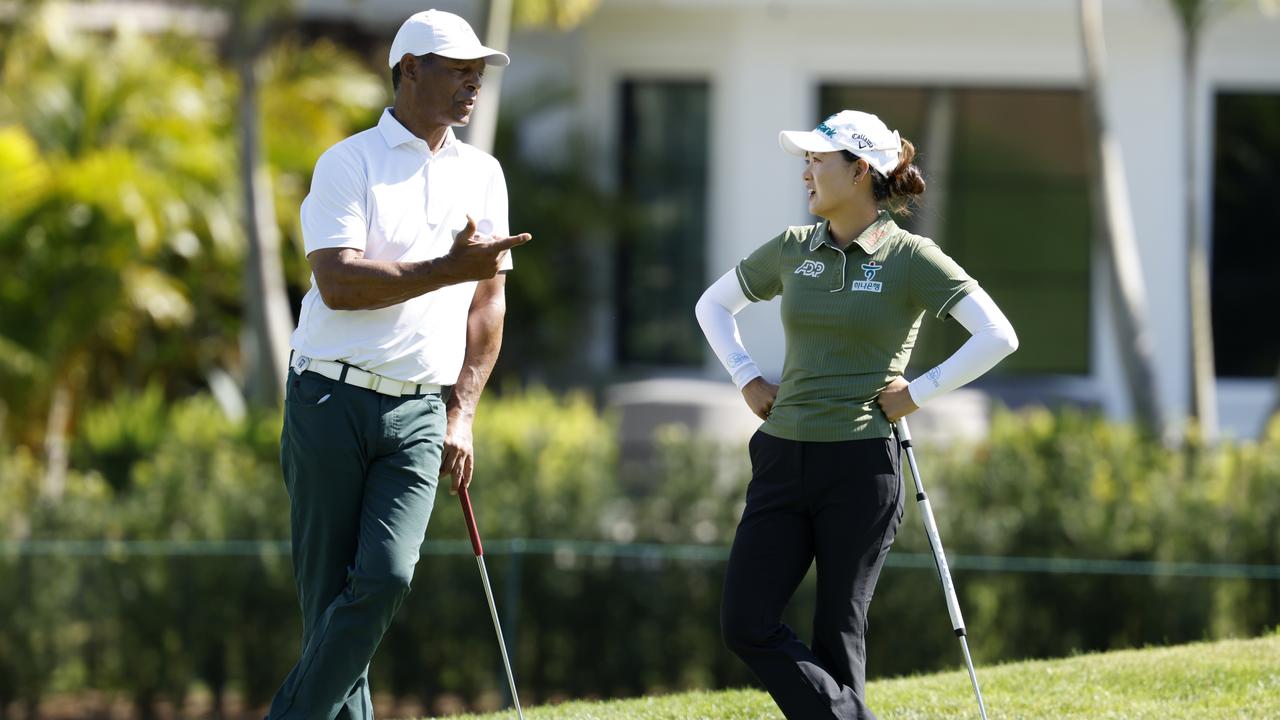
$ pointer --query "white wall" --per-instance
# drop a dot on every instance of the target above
(766, 60)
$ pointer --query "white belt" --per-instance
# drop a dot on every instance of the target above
(361, 378)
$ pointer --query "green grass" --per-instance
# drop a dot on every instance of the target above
(1228, 679)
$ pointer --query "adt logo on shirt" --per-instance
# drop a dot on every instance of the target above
(869, 271)
(812, 268)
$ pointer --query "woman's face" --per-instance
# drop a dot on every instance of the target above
(829, 179)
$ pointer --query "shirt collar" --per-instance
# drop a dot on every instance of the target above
(870, 239)
(395, 134)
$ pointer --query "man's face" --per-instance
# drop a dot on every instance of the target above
(445, 89)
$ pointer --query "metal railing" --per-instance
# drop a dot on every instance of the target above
(641, 551)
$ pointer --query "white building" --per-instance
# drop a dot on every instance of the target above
(683, 100)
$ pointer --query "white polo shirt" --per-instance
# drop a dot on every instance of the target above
(384, 192)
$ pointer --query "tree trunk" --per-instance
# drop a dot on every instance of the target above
(55, 440)
(1275, 405)
(1114, 223)
(483, 128)
(266, 300)
(939, 134)
(1204, 397)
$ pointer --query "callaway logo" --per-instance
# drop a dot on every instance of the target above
(812, 268)
(863, 141)
(869, 271)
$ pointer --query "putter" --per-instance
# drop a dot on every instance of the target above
(939, 558)
(488, 592)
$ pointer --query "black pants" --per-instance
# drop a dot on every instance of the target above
(838, 503)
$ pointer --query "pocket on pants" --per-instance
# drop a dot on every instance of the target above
(309, 389)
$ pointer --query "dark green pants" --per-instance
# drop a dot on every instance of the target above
(361, 471)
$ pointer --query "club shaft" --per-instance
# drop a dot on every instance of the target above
(973, 677)
(935, 544)
(497, 628)
(939, 559)
(474, 531)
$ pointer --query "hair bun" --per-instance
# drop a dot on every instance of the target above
(900, 190)
(906, 181)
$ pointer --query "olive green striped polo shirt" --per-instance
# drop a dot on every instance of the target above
(850, 319)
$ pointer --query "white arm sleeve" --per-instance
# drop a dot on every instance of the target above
(715, 311)
(992, 339)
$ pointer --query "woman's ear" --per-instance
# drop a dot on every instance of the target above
(860, 170)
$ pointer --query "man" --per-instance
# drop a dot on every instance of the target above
(406, 297)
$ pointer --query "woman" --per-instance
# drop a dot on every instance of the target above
(826, 483)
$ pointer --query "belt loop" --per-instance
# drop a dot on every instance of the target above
(342, 376)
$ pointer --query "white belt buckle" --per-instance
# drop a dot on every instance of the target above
(300, 364)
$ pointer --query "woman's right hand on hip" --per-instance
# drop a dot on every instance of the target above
(760, 394)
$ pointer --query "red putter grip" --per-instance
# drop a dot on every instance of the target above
(471, 522)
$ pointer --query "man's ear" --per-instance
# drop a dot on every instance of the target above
(408, 66)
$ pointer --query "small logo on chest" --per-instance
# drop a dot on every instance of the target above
(869, 271)
(811, 268)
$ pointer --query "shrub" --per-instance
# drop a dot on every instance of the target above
(1043, 485)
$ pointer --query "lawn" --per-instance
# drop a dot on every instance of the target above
(1227, 679)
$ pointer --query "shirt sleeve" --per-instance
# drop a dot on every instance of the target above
(715, 311)
(759, 273)
(937, 282)
(335, 212)
(496, 209)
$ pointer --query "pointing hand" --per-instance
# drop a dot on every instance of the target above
(478, 258)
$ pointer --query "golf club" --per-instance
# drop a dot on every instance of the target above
(488, 592)
(939, 558)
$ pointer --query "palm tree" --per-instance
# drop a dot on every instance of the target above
(114, 200)
(266, 301)
(1192, 16)
(119, 215)
(324, 102)
(499, 15)
(1115, 226)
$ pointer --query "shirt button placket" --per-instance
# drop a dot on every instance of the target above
(426, 182)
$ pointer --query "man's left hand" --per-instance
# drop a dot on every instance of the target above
(459, 457)
(895, 401)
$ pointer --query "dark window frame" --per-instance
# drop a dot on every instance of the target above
(660, 260)
(1244, 232)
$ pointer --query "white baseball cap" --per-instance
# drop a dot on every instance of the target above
(442, 33)
(862, 134)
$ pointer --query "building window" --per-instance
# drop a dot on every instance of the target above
(1008, 199)
(1246, 234)
(661, 264)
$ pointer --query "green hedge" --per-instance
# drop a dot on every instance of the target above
(1042, 485)
(1069, 485)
